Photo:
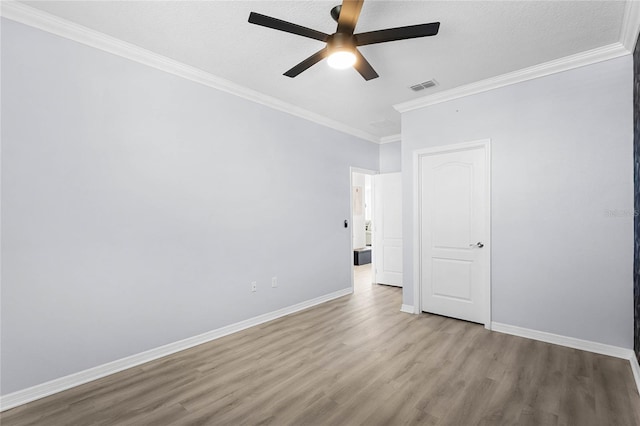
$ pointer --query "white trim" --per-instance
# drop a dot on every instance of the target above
(417, 230)
(36, 18)
(364, 171)
(487, 218)
(572, 342)
(52, 24)
(409, 309)
(391, 138)
(57, 385)
(557, 339)
(588, 57)
(635, 369)
(630, 25)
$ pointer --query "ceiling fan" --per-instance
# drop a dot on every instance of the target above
(341, 49)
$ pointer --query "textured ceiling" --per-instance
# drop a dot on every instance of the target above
(477, 40)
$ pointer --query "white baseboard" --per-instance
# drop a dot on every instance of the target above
(571, 342)
(635, 368)
(407, 308)
(63, 383)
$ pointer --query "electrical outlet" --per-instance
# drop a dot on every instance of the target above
(274, 282)
(254, 286)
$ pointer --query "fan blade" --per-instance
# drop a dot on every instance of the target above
(400, 33)
(349, 13)
(364, 67)
(287, 27)
(307, 63)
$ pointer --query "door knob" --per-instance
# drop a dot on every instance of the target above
(478, 244)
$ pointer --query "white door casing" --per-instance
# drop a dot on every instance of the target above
(387, 222)
(454, 231)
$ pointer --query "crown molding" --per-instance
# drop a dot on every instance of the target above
(35, 18)
(588, 57)
(391, 138)
(630, 25)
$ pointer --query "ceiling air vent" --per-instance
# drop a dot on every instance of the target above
(425, 85)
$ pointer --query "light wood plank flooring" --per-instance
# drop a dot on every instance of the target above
(356, 360)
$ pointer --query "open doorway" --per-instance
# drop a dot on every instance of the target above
(362, 237)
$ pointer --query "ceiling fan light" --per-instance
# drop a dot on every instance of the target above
(341, 59)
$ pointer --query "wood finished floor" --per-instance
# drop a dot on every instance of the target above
(356, 360)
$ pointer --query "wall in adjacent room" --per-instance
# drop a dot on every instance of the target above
(137, 207)
(562, 197)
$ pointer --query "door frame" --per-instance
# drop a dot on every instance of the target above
(353, 170)
(417, 214)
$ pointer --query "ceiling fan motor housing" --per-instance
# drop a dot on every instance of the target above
(341, 42)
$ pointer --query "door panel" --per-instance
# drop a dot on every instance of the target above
(452, 209)
(452, 194)
(387, 223)
(451, 278)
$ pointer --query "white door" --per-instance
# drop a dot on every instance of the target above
(454, 230)
(387, 225)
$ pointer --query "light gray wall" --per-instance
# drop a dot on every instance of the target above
(137, 207)
(561, 158)
(390, 157)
